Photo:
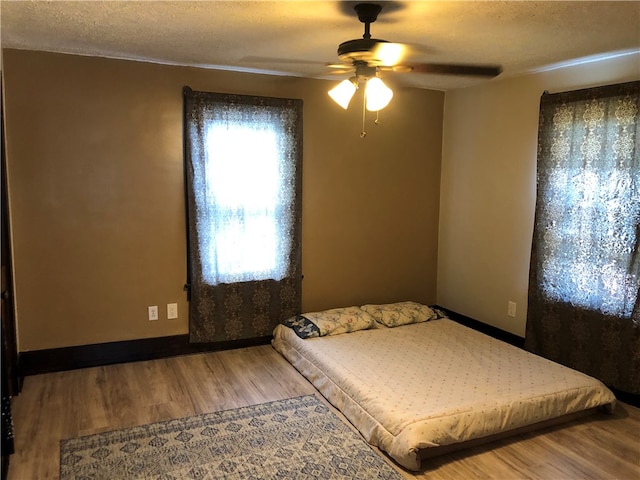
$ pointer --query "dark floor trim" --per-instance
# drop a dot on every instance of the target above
(5, 466)
(485, 328)
(83, 356)
(630, 398)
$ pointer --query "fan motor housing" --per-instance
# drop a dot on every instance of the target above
(360, 49)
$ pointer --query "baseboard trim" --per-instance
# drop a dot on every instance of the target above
(96, 355)
(5, 466)
(485, 328)
(100, 354)
(84, 356)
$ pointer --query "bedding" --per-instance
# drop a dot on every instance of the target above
(423, 386)
(330, 322)
(400, 313)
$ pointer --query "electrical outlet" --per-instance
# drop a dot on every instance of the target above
(172, 310)
(511, 309)
(153, 312)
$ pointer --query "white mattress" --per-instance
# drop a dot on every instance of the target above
(435, 383)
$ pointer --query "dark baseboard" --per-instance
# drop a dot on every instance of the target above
(487, 329)
(629, 398)
(626, 397)
(83, 356)
(5, 466)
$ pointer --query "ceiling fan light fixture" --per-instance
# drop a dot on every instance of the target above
(388, 53)
(378, 95)
(344, 91)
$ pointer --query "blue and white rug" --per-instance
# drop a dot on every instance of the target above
(296, 438)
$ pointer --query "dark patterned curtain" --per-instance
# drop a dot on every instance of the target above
(585, 260)
(243, 162)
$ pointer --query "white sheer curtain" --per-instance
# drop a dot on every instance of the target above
(246, 221)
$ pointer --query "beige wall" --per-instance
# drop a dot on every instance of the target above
(488, 187)
(94, 151)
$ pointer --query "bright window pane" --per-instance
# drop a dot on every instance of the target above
(244, 195)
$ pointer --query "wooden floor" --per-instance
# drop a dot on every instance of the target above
(62, 405)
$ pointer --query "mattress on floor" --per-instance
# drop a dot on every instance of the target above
(436, 383)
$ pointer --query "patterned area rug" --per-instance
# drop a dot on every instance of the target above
(297, 438)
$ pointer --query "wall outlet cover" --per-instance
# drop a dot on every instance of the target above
(153, 312)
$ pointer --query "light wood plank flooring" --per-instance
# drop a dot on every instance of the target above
(62, 405)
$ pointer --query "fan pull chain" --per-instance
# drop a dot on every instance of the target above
(364, 114)
(377, 120)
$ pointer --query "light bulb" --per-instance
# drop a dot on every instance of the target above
(389, 54)
(378, 94)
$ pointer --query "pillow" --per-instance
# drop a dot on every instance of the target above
(303, 327)
(401, 313)
(438, 313)
(330, 322)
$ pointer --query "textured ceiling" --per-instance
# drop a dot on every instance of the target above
(301, 37)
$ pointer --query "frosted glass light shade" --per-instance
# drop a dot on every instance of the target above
(378, 94)
(343, 93)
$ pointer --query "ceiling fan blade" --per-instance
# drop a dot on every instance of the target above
(454, 69)
(279, 61)
(342, 72)
(338, 66)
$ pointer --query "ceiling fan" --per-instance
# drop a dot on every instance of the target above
(370, 53)
(368, 56)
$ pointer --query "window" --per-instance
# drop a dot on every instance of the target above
(245, 226)
(589, 190)
(243, 160)
(584, 282)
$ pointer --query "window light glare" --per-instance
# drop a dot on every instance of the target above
(343, 93)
